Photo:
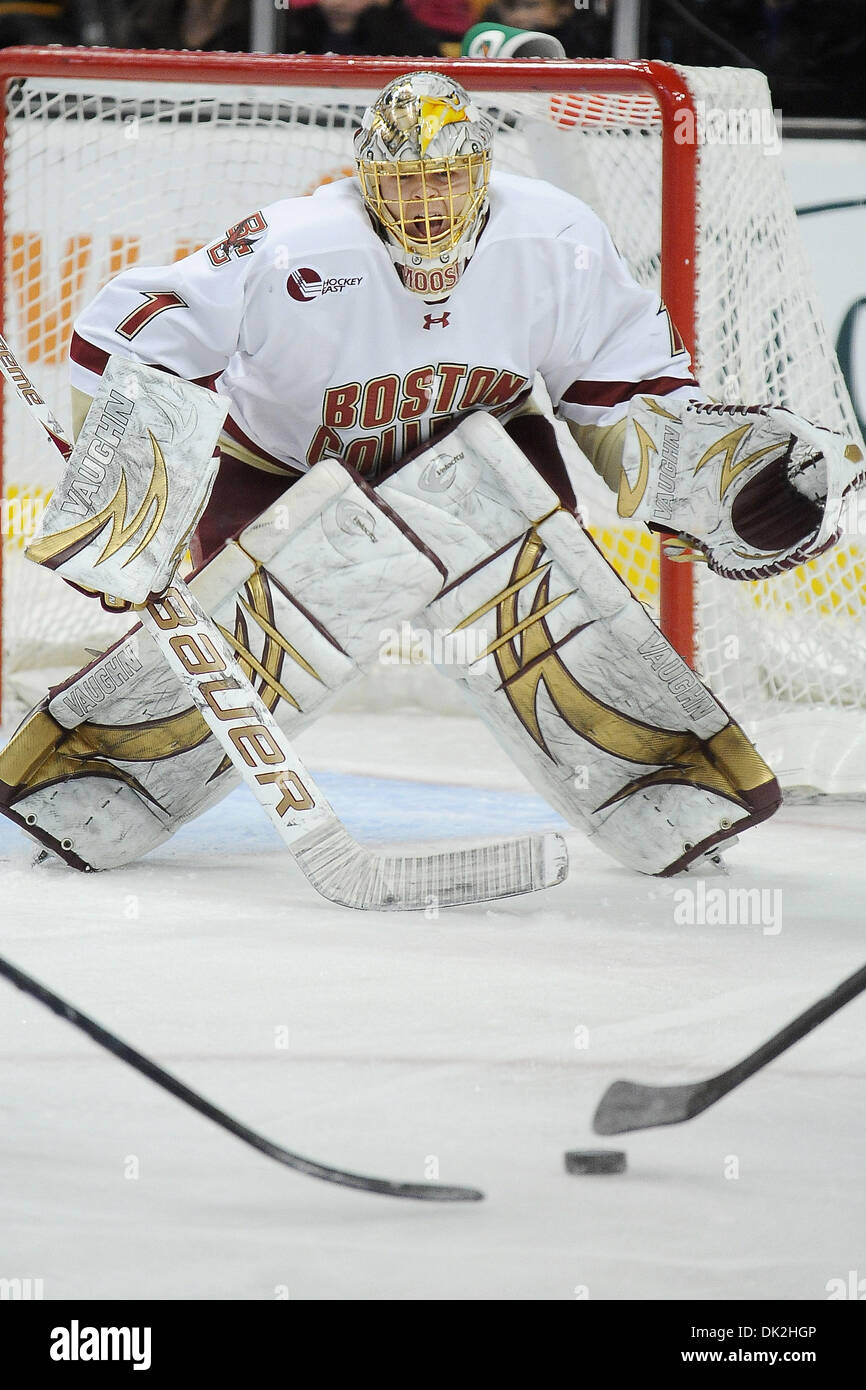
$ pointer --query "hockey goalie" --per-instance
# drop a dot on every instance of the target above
(370, 354)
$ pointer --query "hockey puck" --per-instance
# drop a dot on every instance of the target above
(595, 1161)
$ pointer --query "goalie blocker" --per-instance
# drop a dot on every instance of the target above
(574, 679)
(141, 470)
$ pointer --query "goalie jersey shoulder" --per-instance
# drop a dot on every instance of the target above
(531, 209)
(330, 220)
(192, 316)
(276, 236)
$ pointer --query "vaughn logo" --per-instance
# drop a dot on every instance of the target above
(305, 284)
(76, 1343)
(112, 673)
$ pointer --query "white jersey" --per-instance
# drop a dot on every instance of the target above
(298, 317)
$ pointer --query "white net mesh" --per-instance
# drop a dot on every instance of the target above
(787, 655)
(102, 173)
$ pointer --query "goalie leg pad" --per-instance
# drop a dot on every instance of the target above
(569, 671)
(118, 757)
(595, 706)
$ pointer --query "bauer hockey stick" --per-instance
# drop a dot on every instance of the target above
(427, 1192)
(334, 863)
(627, 1105)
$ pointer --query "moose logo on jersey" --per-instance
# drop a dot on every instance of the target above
(238, 240)
(429, 281)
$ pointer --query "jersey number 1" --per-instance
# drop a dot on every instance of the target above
(153, 304)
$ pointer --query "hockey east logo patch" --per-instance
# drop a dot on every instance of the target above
(304, 284)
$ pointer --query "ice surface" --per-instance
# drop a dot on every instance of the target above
(479, 1042)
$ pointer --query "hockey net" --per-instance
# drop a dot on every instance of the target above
(112, 159)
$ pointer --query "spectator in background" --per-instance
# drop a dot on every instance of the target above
(61, 21)
(447, 20)
(356, 26)
(583, 33)
(216, 24)
(34, 23)
(197, 24)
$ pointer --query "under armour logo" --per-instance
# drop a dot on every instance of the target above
(429, 320)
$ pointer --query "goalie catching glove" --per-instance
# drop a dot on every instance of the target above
(756, 489)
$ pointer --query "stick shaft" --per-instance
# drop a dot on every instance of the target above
(242, 725)
(139, 1062)
(810, 1018)
(31, 399)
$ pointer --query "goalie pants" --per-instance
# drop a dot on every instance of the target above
(242, 492)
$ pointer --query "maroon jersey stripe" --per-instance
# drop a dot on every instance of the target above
(234, 431)
(602, 393)
(87, 355)
(95, 360)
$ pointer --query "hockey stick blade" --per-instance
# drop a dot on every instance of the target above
(353, 876)
(628, 1105)
(425, 1192)
(334, 863)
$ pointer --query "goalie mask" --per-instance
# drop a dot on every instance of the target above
(423, 156)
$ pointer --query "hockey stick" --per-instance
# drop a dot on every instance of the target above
(627, 1105)
(425, 1192)
(336, 865)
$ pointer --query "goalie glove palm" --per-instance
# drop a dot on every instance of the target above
(756, 489)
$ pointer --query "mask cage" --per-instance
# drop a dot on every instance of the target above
(426, 204)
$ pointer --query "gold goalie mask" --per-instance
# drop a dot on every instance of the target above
(423, 157)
